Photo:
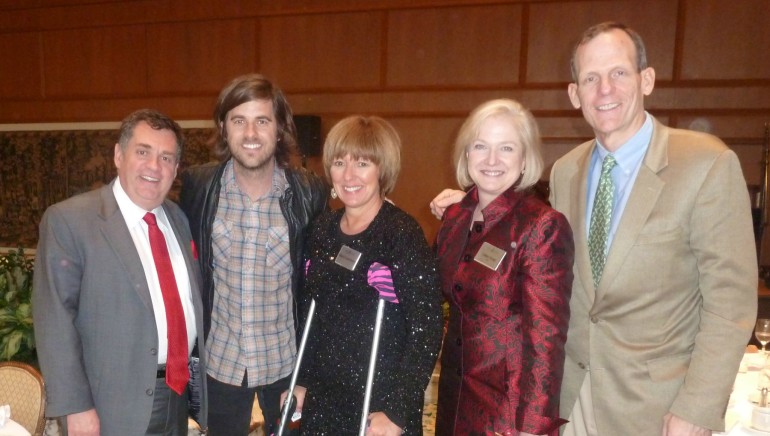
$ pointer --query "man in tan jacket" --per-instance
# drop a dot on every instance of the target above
(654, 346)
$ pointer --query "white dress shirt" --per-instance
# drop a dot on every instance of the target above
(134, 215)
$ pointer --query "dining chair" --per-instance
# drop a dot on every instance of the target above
(21, 386)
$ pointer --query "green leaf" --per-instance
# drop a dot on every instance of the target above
(19, 276)
(10, 345)
(24, 310)
(17, 339)
(7, 316)
(29, 339)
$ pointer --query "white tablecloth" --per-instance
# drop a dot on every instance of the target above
(12, 428)
(745, 390)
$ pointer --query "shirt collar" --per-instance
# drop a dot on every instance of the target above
(132, 213)
(279, 181)
(630, 153)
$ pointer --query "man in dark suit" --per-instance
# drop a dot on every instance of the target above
(116, 298)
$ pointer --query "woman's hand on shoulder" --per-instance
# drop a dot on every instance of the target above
(381, 425)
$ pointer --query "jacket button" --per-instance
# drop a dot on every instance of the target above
(154, 351)
(467, 258)
(478, 228)
(458, 287)
(148, 392)
(459, 341)
(582, 365)
(594, 319)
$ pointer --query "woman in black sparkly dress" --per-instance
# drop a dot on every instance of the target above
(362, 160)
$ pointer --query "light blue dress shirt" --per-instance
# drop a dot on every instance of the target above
(629, 159)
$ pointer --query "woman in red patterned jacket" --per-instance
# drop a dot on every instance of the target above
(506, 265)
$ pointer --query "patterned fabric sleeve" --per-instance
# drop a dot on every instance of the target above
(546, 290)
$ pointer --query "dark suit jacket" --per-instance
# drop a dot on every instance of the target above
(94, 323)
(668, 324)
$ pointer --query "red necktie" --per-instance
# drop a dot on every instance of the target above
(177, 374)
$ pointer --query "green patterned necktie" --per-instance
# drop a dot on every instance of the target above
(600, 219)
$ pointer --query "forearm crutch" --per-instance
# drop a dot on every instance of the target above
(380, 278)
(289, 397)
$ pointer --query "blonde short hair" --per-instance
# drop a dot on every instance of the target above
(366, 137)
(528, 133)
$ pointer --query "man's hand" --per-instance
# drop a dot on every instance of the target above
(676, 426)
(83, 423)
(299, 393)
(381, 425)
(446, 198)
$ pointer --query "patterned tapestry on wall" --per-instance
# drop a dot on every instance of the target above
(40, 168)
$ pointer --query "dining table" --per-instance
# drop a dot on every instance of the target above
(753, 374)
(13, 428)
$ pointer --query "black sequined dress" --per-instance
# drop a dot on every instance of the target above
(335, 365)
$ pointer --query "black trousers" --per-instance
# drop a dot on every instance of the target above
(169, 413)
(230, 406)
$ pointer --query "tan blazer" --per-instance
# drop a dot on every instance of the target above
(667, 326)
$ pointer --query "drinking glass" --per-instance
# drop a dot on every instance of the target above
(762, 332)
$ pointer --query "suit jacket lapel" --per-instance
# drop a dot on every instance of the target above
(185, 242)
(644, 196)
(579, 189)
(119, 238)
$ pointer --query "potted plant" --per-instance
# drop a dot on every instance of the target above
(17, 339)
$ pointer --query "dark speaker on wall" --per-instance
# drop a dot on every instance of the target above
(308, 134)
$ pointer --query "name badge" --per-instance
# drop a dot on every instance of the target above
(489, 256)
(348, 258)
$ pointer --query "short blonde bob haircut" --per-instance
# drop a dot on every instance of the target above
(366, 137)
(529, 135)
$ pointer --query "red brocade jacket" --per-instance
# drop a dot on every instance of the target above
(503, 355)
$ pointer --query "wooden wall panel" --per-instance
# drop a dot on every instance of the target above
(429, 102)
(199, 57)
(574, 127)
(422, 64)
(427, 146)
(712, 98)
(727, 40)
(20, 65)
(86, 110)
(736, 129)
(95, 62)
(556, 27)
(322, 51)
(440, 47)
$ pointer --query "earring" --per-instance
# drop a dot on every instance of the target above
(334, 194)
